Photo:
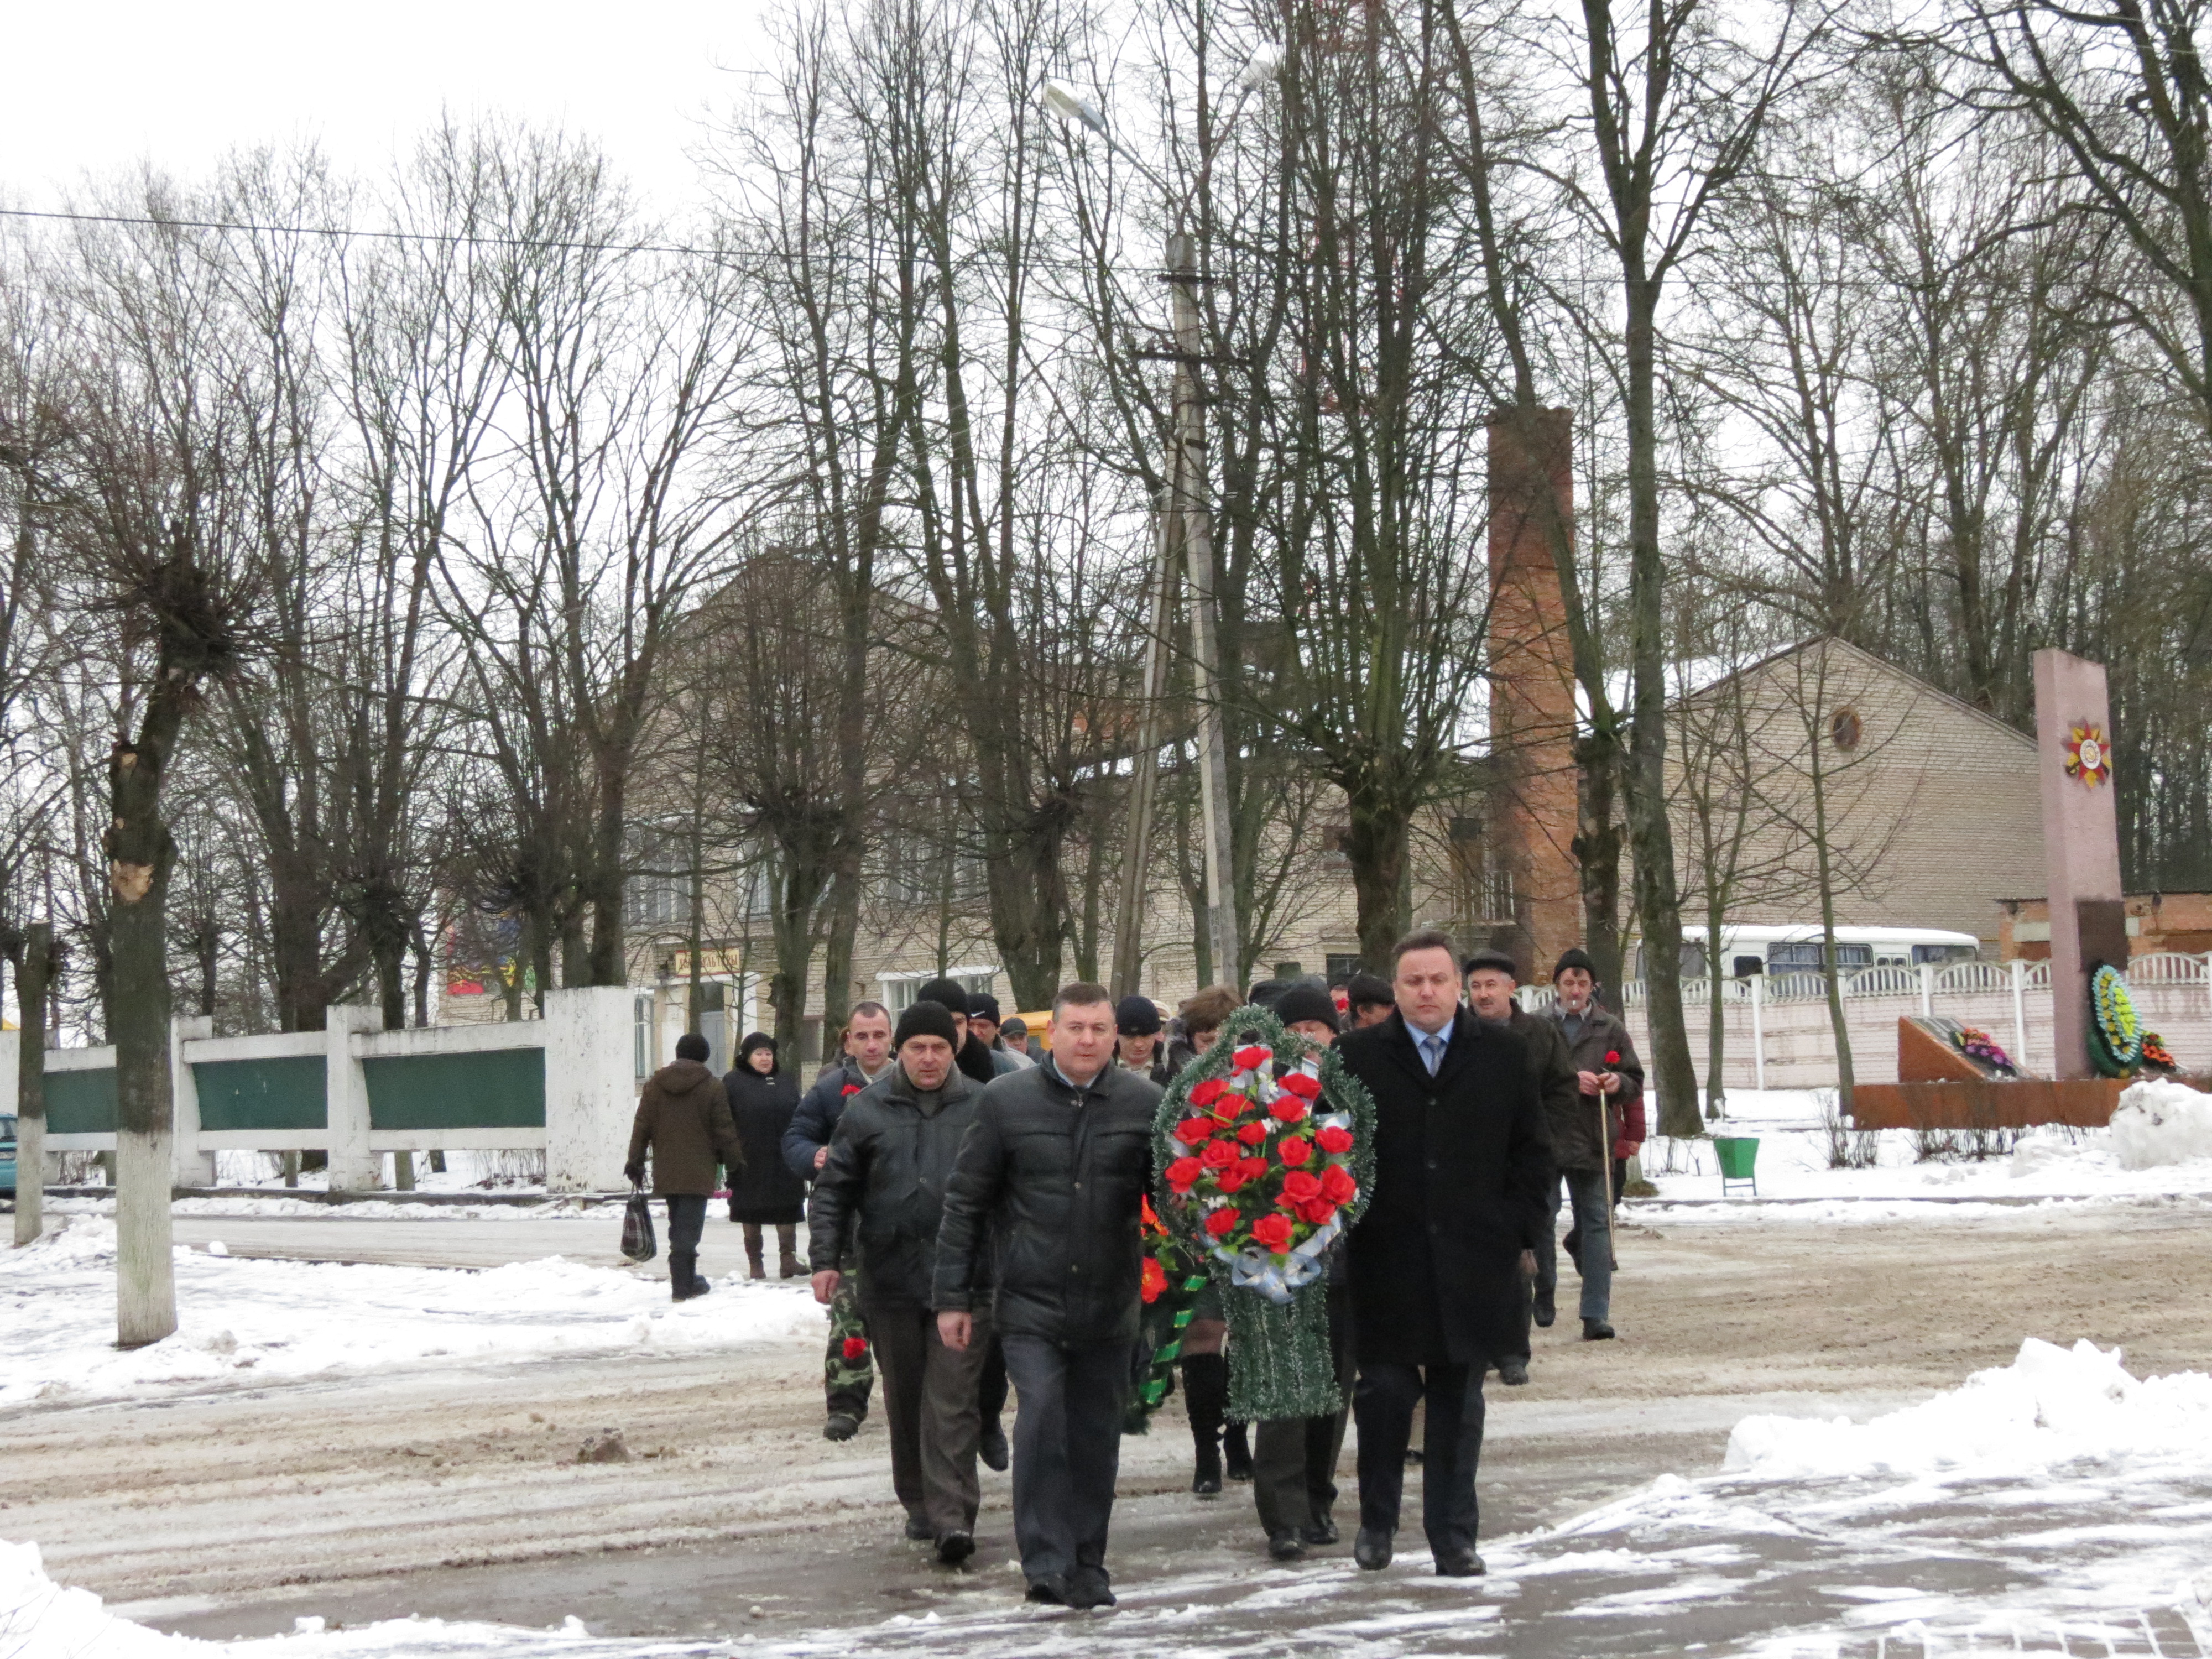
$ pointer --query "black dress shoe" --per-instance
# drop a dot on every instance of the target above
(1596, 1330)
(1513, 1372)
(1205, 1479)
(954, 1548)
(1371, 1550)
(1237, 1452)
(1051, 1591)
(1459, 1564)
(993, 1448)
(1322, 1532)
(1286, 1547)
(1547, 1307)
(1088, 1586)
(919, 1531)
(841, 1425)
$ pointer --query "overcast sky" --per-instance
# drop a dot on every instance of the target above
(100, 86)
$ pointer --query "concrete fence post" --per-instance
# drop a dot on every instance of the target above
(591, 1087)
(192, 1166)
(1757, 1031)
(1927, 990)
(354, 1167)
(2019, 1014)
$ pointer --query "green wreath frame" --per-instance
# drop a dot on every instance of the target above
(2116, 1030)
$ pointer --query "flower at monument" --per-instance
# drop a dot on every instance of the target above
(1977, 1044)
(2088, 758)
(2116, 1032)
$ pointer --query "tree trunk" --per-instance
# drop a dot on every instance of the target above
(837, 946)
(141, 855)
(32, 981)
(1376, 841)
(1846, 1083)
(1596, 847)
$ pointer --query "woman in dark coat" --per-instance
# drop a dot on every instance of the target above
(765, 1192)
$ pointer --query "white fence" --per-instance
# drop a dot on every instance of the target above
(1777, 1034)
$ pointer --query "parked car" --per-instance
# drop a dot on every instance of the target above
(8, 1156)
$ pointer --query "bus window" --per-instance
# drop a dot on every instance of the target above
(1747, 966)
(1944, 953)
(1693, 959)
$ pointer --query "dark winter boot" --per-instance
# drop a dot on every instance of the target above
(1236, 1452)
(759, 1268)
(683, 1280)
(1206, 1394)
(787, 1239)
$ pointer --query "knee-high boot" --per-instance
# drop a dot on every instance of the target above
(753, 1250)
(786, 1240)
(1206, 1396)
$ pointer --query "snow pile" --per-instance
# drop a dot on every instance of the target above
(246, 1321)
(2051, 1406)
(2159, 1121)
(40, 1619)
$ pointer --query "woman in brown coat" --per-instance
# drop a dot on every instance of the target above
(683, 1120)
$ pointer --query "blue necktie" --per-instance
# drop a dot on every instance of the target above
(1432, 1051)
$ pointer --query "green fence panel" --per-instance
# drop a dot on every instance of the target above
(287, 1093)
(80, 1102)
(491, 1088)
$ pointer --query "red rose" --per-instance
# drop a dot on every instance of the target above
(1222, 1222)
(1192, 1130)
(1206, 1093)
(1182, 1173)
(1612, 1056)
(1253, 1168)
(1304, 1085)
(1333, 1138)
(1343, 1002)
(1299, 1186)
(1337, 1185)
(1288, 1107)
(856, 1347)
(1219, 1154)
(1251, 1057)
(1231, 1179)
(1319, 1211)
(1154, 1281)
(1272, 1233)
(1293, 1150)
(1253, 1133)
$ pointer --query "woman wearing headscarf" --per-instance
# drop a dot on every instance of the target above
(765, 1192)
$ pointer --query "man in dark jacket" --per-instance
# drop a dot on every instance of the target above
(882, 1188)
(684, 1120)
(978, 1060)
(1492, 979)
(1608, 1070)
(1055, 1174)
(847, 1371)
(983, 1023)
(1460, 1164)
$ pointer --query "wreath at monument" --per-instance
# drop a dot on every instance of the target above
(1977, 1044)
(2115, 1033)
(1265, 1144)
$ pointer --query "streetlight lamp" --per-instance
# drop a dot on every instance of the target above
(1186, 531)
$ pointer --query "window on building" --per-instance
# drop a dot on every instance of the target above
(1342, 968)
(656, 894)
(899, 990)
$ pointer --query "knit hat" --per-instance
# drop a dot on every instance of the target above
(947, 993)
(1305, 1002)
(691, 1046)
(1493, 959)
(926, 1019)
(1574, 957)
(982, 1005)
(1137, 1016)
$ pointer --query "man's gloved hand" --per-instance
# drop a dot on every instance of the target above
(635, 1173)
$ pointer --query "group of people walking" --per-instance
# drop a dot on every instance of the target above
(975, 1221)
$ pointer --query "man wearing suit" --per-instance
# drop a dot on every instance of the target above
(1460, 1162)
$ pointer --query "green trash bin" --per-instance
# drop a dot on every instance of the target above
(1738, 1154)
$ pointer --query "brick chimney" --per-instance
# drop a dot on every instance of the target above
(1533, 807)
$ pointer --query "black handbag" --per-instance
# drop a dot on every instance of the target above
(638, 1242)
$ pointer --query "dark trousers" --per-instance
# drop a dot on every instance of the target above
(992, 1391)
(929, 1407)
(1383, 1403)
(687, 1219)
(1067, 1450)
(1294, 1458)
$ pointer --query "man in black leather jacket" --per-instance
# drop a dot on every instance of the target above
(1055, 1172)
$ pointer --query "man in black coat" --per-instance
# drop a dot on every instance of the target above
(1053, 1177)
(1461, 1159)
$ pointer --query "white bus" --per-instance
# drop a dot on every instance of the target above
(1796, 948)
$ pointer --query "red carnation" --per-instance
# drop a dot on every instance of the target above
(1319, 1211)
(1182, 1174)
(1272, 1233)
(856, 1347)
(852, 1088)
(1293, 1150)
(1219, 1154)
(1222, 1222)
(1253, 1133)
(1206, 1093)
(1337, 1185)
(1253, 1168)
(1251, 1057)
(1612, 1056)
(1304, 1084)
(1299, 1186)
(1154, 1281)
(1192, 1130)
(1333, 1138)
(1289, 1108)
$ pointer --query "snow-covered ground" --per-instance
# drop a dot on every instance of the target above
(2160, 1146)
(245, 1322)
(2057, 1504)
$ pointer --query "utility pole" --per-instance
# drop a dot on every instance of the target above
(1144, 782)
(1187, 477)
